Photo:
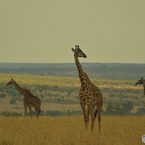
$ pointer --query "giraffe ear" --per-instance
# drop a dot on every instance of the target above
(72, 49)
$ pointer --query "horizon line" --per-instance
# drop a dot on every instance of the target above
(70, 62)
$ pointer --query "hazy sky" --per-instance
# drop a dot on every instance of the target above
(44, 31)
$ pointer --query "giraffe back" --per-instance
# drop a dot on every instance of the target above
(31, 100)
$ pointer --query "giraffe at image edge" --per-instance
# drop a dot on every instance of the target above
(29, 99)
(141, 82)
(89, 94)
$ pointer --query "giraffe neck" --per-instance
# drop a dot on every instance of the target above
(80, 71)
(20, 90)
(144, 87)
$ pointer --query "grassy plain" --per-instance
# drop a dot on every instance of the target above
(115, 130)
(63, 81)
(65, 89)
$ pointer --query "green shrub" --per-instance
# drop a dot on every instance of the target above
(6, 113)
(2, 95)
(12, 101)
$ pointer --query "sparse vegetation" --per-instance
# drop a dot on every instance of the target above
(116, 91)
(2, 95)
(13, 101)
(8, 114)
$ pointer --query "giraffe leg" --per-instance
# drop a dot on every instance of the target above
(25, 110)
(30, 111)
(84, 112)
(37, 112)
(87, 117)
(93, 117)
(99, 119)
(99, 107)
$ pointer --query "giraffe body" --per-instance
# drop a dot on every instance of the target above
(89, 94)
(141, 82)
(29, 99)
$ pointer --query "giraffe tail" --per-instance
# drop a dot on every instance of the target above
(96, 113)
(39, 111)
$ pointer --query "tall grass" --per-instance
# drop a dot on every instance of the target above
(115, 130)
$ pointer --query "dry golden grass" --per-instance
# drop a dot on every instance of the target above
(70, 131)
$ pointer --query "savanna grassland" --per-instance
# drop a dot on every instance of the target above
(115, 130)
(61, 93)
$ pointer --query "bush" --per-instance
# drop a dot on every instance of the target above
(2, 95)
(40, 90)
(6, 113)
(41, 113)
(34, 113)
(68, 113)
(12, 101)
(117, 109)
(42, 96)
(13, 93)
(53, 113)
(140, 111)
(49, 94)
(128, 106)
(109, 109)
(112, 95)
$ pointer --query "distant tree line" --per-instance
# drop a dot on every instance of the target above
(118, 72)
(111, 109)
(66, 65)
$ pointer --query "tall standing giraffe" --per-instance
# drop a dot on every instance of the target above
(89, 94)
(141, 82)
(29, 99)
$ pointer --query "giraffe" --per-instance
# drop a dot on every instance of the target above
(29, 99)
(89, 94)
(141, 81)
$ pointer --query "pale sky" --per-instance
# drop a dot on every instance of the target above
(44, 31)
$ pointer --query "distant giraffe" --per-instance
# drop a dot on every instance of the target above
(29, 99)
(89, 94)
(141, 81)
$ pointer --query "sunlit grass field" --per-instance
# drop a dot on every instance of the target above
(115, 130)
(63, 81)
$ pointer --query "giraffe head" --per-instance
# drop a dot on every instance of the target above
(11, 82)
(140, 81)
(78, 52)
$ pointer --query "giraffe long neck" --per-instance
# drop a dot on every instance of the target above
(80, 70)
(144, 87)
(20, 90)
